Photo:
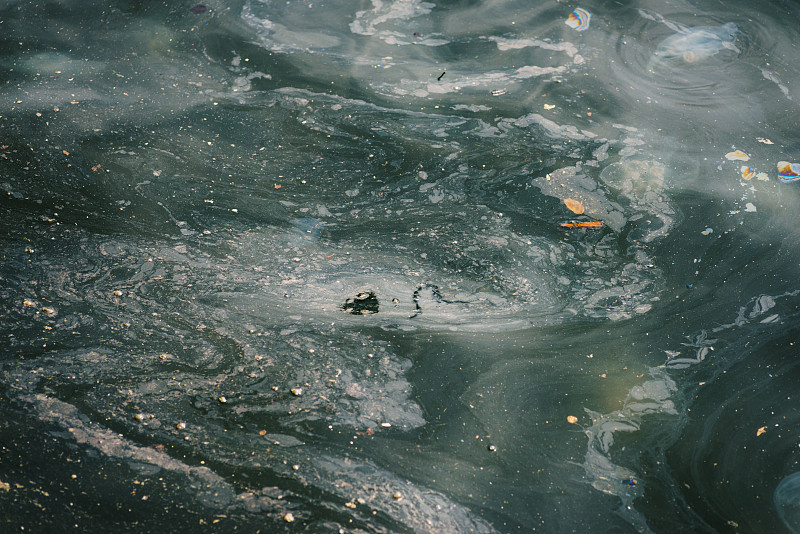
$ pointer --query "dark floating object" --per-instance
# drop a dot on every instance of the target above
(441, 76)
(362, 304)
(435, 293)
(199, 8)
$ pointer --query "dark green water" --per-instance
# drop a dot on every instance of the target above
(285, 266)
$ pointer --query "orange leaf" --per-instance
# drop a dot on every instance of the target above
(761, 430)
(574, 206)
(585, 224)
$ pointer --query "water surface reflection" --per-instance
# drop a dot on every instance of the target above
(398, 266)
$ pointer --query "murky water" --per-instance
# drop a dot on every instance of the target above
(399, 266)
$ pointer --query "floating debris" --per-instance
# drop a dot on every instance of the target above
(761, 430)
(765, 141)
(296, 391)
(584, 224)
(788, 172)
(198, 9)
(747, 172)
(364, 303)
(288, 517)
(750, 207)
(737, 155)
(707, 231)
(578, 20)
(574, 206)
(630, 482)
(762, 176)
(571, 419)
(492, 448)
(499, 92)
(549, 106)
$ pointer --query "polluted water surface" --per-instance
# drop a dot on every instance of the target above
(399, 266)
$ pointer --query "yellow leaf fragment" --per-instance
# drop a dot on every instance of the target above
(574, 206)
(571, 419)
(737, 155)
(761, 430)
